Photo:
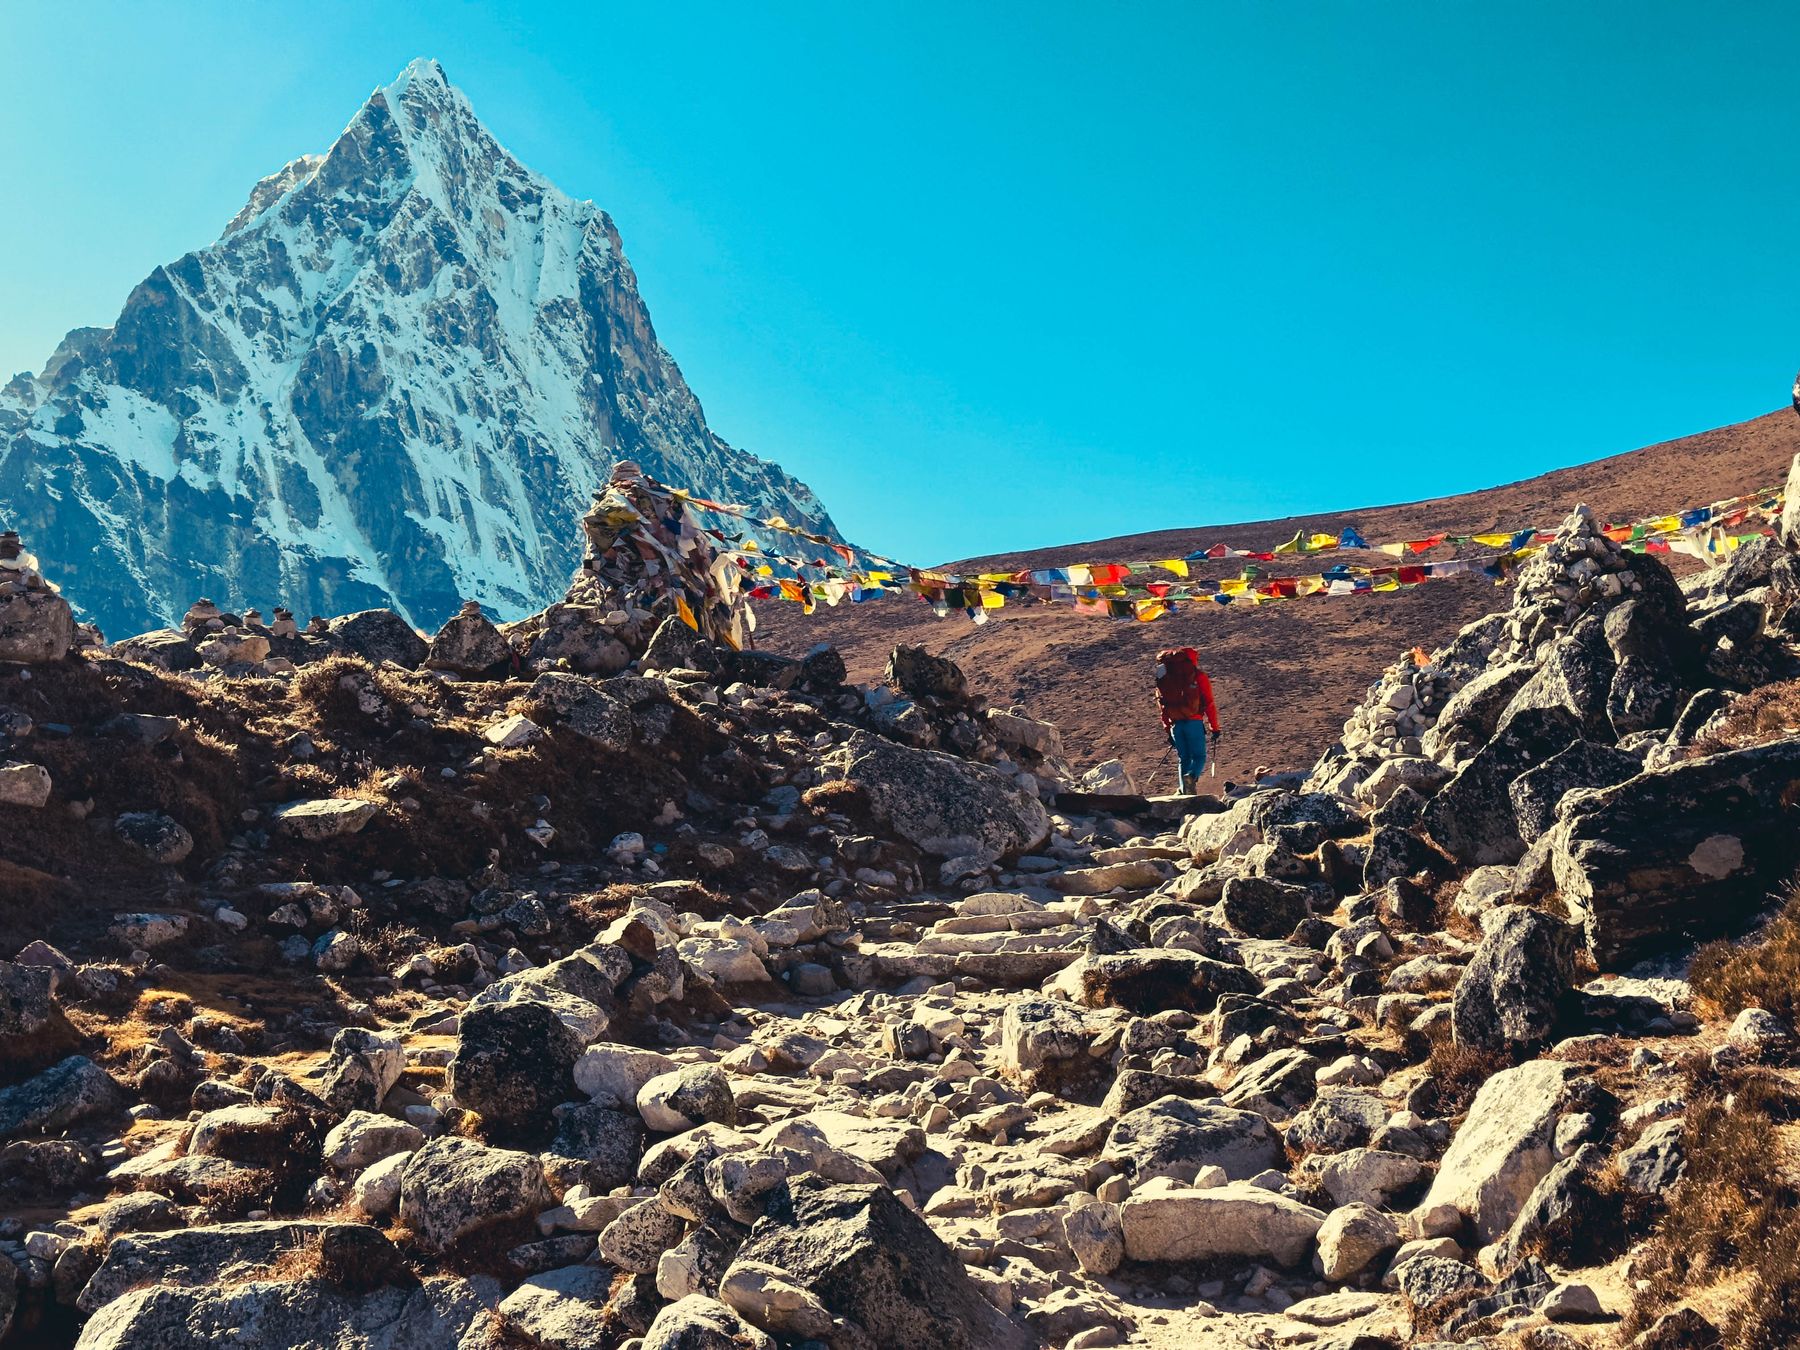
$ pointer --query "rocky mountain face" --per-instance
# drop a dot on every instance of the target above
(380, 993)
(393, 381)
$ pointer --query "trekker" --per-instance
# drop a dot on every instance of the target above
(1184, 697)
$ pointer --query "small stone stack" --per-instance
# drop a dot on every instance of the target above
(36, 624)
(1562, 581)
(1399, 710)
(222, 639)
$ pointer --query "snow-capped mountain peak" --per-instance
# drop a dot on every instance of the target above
(394, 379)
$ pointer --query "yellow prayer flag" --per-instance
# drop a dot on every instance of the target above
(1320, 542)
(1233, 585)
(1176, 565)
(992, 600)
(1493, 540)
(687, 614)
(1386, 584)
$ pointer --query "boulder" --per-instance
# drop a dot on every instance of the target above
(1339, 1118)
(1471, 818)
(1277, 1086)
(233, 648)
(454, 1314)
(601, 711)
(613, 1075)
(578, 635)
(697, 1322)
(363, 1137)
(764, 1296)
(915, 672)
(1395, 854)
(514, 1062)
(1352, 1239)
(361, 1068)
(1505, 1147)
(148, 931)
(33, 1030)
(1039, 1033)
(946, 806)
(469, 645)
(377, 1190)
(1536, 793)
(1261, 908)
(165, 648)
(636, 1240)
(205, 1256)
(378, 635)
(869, 1259)
(1512, 992)
(1568, 1195)
(683, 1098)
(154, 836)
(65, 1094)
(1174, 1137)
(26, 785)
(36, 625)
(1435, 1284)
(1147, 982)
(1413, 772)
(1653, 1164)
(453, 1187)
(1367, 1176)
(1096, 1236)
(1683, 850)
(561, 1309)
(327, 818)
(1238, 1220)
(1573, 677)
(253, 1132)
(675, 646)
(1468, 719)
(602, 1143)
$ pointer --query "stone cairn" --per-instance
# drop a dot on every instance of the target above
(1575, 572)
(35, 622)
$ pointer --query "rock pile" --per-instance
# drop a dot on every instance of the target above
(849, 1034)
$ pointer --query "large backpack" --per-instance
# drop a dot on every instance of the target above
(1178, 684)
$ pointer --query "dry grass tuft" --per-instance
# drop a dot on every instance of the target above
(299, 1262)
(1736, 1210)
(1756, 718)
(1459, 1072)
(1761, 972)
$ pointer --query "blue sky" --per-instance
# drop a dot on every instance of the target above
(998, 275)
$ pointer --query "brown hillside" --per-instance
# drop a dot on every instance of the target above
(1285, 674)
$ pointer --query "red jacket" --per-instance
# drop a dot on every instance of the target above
(1201, 705)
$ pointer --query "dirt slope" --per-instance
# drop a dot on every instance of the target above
(1285, 674)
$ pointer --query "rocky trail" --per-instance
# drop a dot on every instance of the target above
(586, 983)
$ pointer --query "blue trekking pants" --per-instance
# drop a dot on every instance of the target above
(1189, 737)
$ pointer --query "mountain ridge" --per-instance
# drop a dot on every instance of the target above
(394, 379)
